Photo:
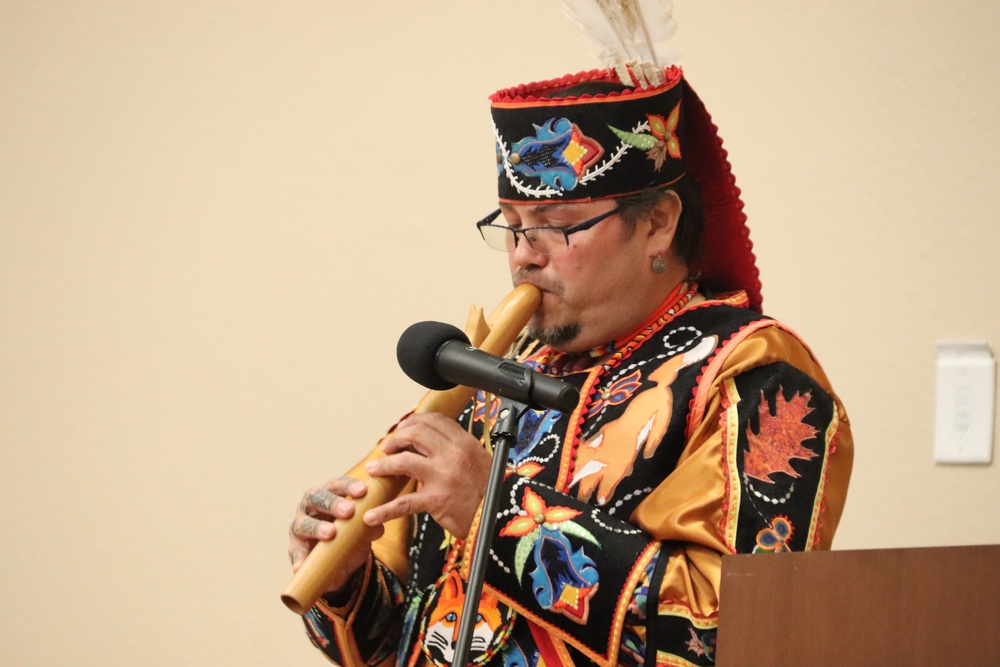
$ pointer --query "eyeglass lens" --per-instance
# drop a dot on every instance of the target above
(543, 240)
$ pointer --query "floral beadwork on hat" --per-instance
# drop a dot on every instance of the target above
(587, 146)
(633, 126)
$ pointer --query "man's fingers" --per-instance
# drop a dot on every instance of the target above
(405, 463)
(297, 554)
(319, 499)
(322, 497)
(315, 519)
(348, 487)
(309, 528)
(406, 504)
(422, 433)
(319, 502)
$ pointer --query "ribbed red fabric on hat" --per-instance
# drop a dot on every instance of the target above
(725, 259)
(725, 256)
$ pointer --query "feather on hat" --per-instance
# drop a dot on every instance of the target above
(650, 130)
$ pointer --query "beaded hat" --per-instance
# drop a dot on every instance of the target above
(586, 147)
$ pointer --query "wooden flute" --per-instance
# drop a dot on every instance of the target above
(494, 335)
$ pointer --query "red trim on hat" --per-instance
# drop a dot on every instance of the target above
(537, 91)
(725, 259)
(725, 254)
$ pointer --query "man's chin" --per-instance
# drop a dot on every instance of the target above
(556, 337)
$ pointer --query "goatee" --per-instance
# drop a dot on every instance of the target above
(557, 337)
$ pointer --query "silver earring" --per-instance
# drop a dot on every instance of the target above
(659, 266)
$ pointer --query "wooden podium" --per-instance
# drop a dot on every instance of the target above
(927, 606)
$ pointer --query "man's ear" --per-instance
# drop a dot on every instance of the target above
(663, 220)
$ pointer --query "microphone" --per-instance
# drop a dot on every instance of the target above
(439, 356)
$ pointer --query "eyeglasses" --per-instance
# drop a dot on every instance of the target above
(543, 240)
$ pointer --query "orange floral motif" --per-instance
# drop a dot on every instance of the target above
(662, 139)
(665, 129)
(538, 513)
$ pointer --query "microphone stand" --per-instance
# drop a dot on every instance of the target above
(503, 436)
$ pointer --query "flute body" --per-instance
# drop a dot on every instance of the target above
(327, 558)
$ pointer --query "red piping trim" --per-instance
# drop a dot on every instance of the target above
(526, 94)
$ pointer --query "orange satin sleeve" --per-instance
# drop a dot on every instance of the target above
(690, 507)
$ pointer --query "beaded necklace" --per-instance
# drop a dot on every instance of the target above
(561, 363)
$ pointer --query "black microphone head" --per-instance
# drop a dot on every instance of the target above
(417, 351)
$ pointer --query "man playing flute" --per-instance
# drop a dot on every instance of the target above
(703, 428)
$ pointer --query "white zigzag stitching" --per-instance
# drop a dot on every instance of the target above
(548, 191)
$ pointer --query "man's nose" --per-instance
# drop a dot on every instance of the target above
(524, 255)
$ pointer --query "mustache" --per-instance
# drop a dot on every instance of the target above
(528, 275)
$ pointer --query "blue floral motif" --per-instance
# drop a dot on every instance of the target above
(558, 154)
(563, 580)
(775, 537)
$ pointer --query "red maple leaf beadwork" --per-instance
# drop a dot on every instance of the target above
(780, 438)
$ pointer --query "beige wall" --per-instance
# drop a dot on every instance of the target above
(217, 217)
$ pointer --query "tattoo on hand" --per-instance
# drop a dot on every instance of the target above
(309, 527)
(322, 499)
(296, 555)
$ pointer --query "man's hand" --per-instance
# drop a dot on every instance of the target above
(449, 463)
(314, 523)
